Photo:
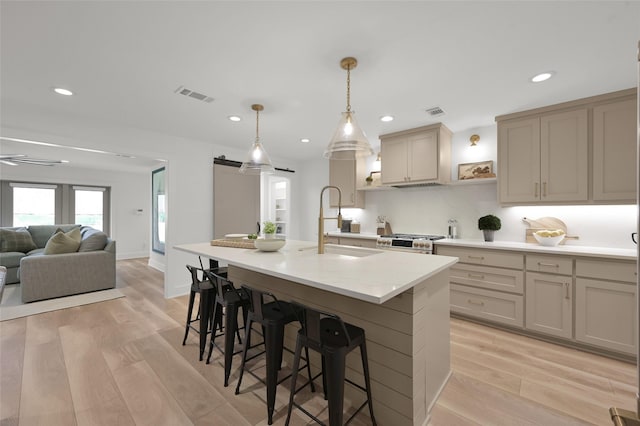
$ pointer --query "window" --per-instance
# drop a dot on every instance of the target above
(24, 204)
(89, 208)
(34, 204)
(159, 210)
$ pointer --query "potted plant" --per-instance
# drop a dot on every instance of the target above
(269, 229)
(489, 224)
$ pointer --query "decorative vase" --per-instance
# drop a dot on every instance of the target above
(488, 234)
(268, 236)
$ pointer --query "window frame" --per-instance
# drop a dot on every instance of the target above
(156, 245)
(64, 198)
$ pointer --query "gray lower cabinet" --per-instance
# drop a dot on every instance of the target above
(549, 294)
(486, 304)
(606, 304)
(332, 240)
(584, 301)
(487, 284)
(549, 304)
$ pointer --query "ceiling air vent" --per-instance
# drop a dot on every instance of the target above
(435, 111)
(192, 94)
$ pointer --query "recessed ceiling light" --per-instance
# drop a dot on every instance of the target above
(386, 118)
(542, 76)
(61, 91)
(305, 140)
(234, 118)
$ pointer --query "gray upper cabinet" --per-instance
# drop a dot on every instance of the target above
(416, 156)
(348, 175)
(544, 159)
(614, 151)
(577, 152)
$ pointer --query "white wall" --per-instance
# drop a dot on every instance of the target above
(129, 192)
(314, 175)
(426, 210)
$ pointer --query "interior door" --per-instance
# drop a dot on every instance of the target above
(236, 201)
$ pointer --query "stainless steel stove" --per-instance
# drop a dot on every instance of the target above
(415, 243)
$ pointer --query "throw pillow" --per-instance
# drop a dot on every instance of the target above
(93, 241)
(63, 242)
(18, 240)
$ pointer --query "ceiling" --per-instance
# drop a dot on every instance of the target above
(125, 60)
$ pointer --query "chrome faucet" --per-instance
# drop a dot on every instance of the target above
(321, 219)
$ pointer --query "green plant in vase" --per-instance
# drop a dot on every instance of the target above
(269, 229)
(489, 224)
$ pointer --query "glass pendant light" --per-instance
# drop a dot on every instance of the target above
(349, 140)
(258, 160)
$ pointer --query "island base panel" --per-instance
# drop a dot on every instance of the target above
(408, 342)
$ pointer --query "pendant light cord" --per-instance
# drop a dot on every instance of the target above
(348, 89)
(257, 125)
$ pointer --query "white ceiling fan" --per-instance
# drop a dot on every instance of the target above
(16, 159)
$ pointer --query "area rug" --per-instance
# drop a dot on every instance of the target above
(12, 306)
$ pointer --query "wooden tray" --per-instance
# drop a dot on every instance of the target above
(246, 244)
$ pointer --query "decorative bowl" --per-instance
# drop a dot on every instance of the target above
(270, 244)
(548, 241)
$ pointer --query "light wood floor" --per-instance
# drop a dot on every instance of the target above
(121, 362)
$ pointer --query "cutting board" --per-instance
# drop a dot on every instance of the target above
(545, 223)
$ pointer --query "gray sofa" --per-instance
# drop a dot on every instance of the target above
(45, 276)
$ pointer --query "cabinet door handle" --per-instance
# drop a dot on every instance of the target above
(535, 191)
(476, 302)
(544, 189)
(479, 276)
(551, 265)
(475, 257)
(566, 291)
(352, 200)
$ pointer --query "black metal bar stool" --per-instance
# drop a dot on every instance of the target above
(333, 338)
(204, 288)
(272, 316)
(230, 300)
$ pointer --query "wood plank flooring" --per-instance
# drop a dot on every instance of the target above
(122, 362)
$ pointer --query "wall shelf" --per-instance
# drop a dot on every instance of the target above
(375, 188)
(472, 181)
(483, 181)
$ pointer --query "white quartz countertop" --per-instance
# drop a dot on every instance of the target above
(353, 235)
(603, 252)
(367, 274)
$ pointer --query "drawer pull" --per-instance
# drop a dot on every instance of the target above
(552, 265)
(478, 276)
(476, 302)
(566, 291)
(475, 257)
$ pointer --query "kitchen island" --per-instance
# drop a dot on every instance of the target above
(400, 299)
